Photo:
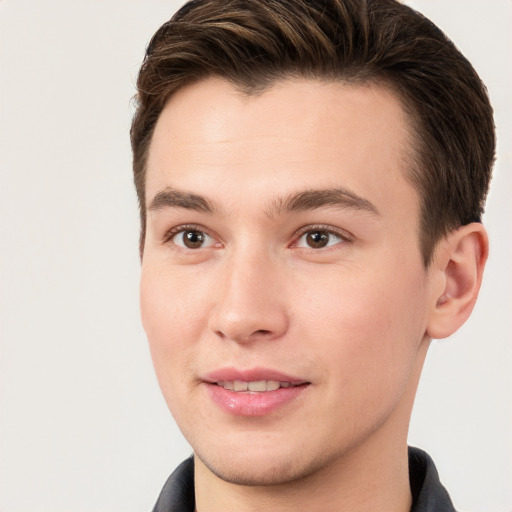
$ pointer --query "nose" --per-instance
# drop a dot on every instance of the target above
(250, 303)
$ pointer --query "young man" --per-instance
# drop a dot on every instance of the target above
(311, 177)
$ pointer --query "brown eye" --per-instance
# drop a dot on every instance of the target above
(192, 239)
(318, 239)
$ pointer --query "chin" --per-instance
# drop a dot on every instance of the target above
(256, 468)
(253, 474)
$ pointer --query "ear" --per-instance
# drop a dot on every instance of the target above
(457, 268)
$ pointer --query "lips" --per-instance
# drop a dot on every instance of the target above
(250, 375)
(253, 392)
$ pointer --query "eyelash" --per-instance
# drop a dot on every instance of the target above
(341, 234)
(169, 235)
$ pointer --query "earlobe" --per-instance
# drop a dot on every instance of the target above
(459, 264)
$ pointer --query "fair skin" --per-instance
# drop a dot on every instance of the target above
(282, 250)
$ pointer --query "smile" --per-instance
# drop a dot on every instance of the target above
(258, 386)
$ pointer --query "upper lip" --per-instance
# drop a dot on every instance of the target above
(250, 375)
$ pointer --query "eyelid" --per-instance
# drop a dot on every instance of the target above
(341, 233)
(171, 233)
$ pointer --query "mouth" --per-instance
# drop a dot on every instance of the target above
(256, 392)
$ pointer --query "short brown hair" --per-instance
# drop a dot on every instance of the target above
(254, 43)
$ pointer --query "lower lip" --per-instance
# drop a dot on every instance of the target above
(253, 404)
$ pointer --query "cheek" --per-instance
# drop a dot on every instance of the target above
(367, 329)
(172, 316)
(374, 304)
(170, 303)
(368, 350)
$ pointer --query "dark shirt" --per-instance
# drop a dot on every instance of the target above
(428, 494)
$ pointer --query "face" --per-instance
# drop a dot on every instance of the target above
(283, 292)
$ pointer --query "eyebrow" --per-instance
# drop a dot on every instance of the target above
(171, 198)
(300, 201)
(314, 199)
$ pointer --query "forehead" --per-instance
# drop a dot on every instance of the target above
(298, 134)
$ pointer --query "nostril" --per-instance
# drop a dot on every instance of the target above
(260, 333)
(232, 320)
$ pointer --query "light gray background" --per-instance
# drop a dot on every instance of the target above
(82, 424)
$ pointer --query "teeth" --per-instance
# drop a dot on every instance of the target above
(272, 385)
(258, 386)
(240, 385)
